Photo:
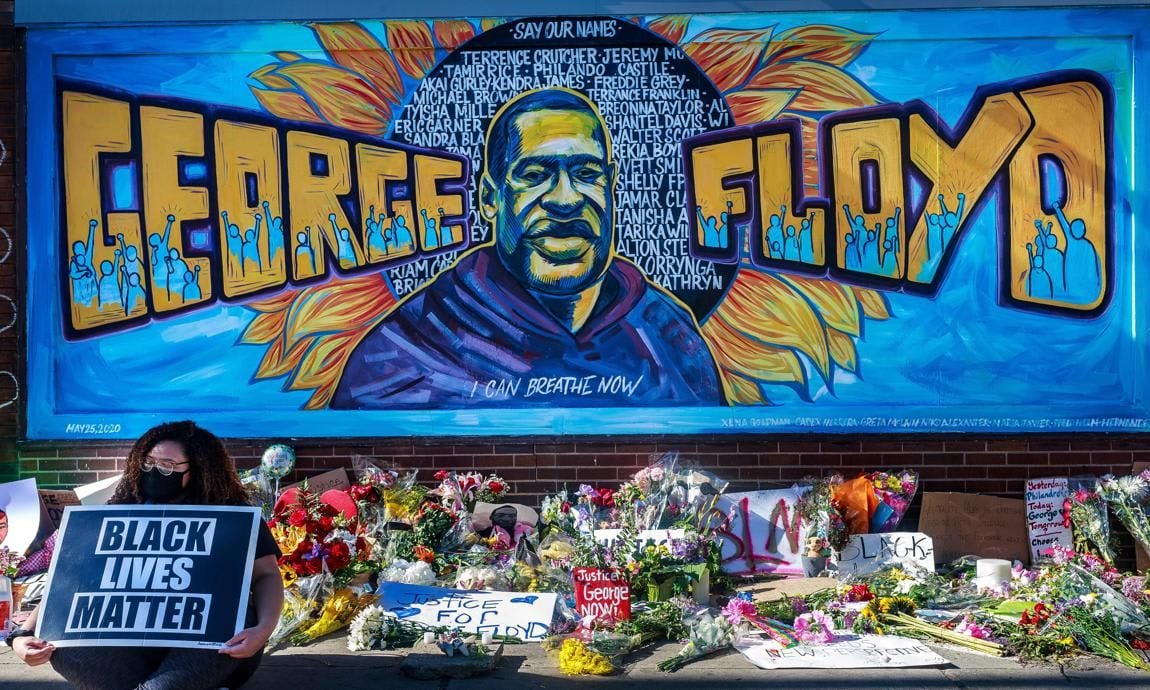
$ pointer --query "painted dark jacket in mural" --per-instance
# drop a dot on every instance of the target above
(474, 336)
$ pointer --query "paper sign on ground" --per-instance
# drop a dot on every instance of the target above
(97, 493)
(1047, 515)
(973, 525)
(149, 575)
(867, 553)
(525, 616)
(332, 479)
(19, 515)
(765, 534)
(853, 651)
(602, 593)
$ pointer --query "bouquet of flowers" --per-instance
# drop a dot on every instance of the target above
(369, 629)
(708, 633)
(895, 491)
(595, 509)
(1091, 522)
(9, 562)
(556, 514)
(461, 491)
(819, 509)
(316, 537)
(1126, 496)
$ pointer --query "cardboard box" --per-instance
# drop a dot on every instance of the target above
(975, 525)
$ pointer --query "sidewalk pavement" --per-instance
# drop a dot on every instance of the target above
(328, 664)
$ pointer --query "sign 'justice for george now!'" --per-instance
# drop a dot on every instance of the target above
(160, 576)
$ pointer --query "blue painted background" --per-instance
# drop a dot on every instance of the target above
(959, 361)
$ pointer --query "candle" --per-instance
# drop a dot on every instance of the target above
(991, 572)
(428, 638)
(486, 638)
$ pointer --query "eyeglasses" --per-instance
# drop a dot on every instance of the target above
(163, 468)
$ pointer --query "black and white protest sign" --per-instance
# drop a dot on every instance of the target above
(160, 576)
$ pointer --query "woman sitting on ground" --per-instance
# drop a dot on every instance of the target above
(174, 463)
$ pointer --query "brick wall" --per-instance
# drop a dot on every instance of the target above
(11, 231)
(994, 465)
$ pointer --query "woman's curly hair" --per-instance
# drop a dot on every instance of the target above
(213, 474)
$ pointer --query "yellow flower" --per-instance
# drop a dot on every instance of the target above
(288, 538)
(575, 659)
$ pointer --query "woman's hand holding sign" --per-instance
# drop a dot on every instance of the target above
(32, 650)
(268, 595)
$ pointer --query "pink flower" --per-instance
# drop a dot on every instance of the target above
(969, 627)
(738, 608)
(815, 627)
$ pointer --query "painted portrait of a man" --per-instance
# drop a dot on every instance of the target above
(547, 314)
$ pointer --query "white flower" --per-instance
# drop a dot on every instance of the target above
(368, 630)
(416, 573)
(1133, 487)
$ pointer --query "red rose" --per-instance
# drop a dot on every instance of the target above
(298, 567)
(339, 556)
(311, 526)
(441, 475)
(326, 523)
(314, 566)
(606, 498)
(297, 518)
(495, 487)
(566, 507)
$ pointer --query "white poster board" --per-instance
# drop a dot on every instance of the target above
(866, 553)
(525, 616)
(849, 651)
(765, 535)
(97, 493)
(1047, 515)
(19, 515)
(608, 537)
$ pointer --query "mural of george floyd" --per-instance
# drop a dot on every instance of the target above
(782, 244)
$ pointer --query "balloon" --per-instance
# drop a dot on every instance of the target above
(278, 461)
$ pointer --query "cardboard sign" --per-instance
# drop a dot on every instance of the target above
(974, 525)
(766, 534)
(602, 593)
(1047, 515)
(850, 651)
(52, 505)
(19, 515)
(155, 576)
(608, 537)
(332, 479)
(525, 616)
(866, 553)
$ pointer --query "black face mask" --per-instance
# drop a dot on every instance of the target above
(157, 488)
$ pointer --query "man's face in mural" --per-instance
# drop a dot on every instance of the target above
(552, 205)
(3, 526)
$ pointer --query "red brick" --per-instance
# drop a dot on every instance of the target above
(1006, 444)
(943, 459)
(799, 446)
(1048, 444)
(986, 459)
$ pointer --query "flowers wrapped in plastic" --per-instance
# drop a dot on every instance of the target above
(1090, 520)
(709, 632)
(1126, 496)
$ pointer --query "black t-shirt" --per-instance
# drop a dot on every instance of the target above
(266, 543)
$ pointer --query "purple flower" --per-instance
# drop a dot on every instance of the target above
(815, 627)
(1132, 588)
(799, 605)
(586, 491)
